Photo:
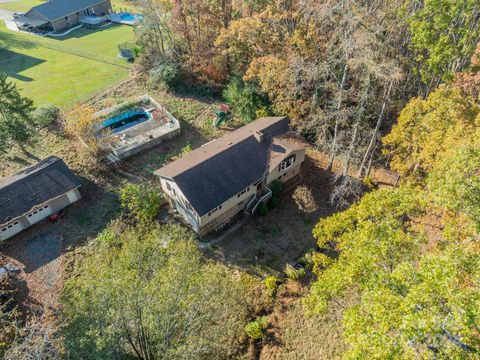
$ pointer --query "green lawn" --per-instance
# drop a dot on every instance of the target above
(25, 5)
(20, 5)
(65, 70)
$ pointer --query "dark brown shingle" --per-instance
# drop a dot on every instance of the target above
(215, 172)
(34, 185)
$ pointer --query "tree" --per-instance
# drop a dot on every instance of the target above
(427, 128)
(79, 123)
(397, 300)
(17, 124)
(141, 201)
(150, 295)
(426, 311)
(245, 99)
(444, 34)
(469, 80)
(454, 186)
(371, 238)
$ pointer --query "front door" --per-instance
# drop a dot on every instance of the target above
(259, 186)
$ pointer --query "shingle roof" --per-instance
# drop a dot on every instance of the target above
(215, 172)
(34, 185)
(56, 9)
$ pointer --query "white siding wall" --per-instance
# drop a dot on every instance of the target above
(276, 173)
(176, 197)
(73, 195)
(11, 230)
(37, 215)
(227, 205)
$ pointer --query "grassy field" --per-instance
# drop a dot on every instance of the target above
(64, 70)
(21, 5)
(25, 5)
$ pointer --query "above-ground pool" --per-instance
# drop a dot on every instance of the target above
(125, 120)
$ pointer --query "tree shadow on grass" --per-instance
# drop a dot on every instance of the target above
(13, 63)
(13, 40)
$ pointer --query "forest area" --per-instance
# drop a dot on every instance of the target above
(396, 270)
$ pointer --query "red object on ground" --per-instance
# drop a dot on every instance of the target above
(57, 216)
(225, 108)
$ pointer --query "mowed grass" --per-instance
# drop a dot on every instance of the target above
(21, 5)
(66, 70)
(25, 5)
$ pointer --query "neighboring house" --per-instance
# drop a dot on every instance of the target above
(215, 182)
(57, 15)
(34, 193)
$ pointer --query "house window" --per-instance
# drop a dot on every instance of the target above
(214, 210)
(284, 165)
(169, 188)
(243, 192)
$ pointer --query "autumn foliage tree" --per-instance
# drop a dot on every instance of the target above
(79, 123)
(426, 129)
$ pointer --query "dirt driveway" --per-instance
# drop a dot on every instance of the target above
(39, 251)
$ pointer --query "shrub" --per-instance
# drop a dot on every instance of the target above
(166, 74)
(256, 328)
(273, 203)
(370, 182)
(271, 285)
(141, 201)
(262, 209)
(187, 149)
(245, 99)
(304, 199)
(46, 114)
(276, 187)
(293, 273)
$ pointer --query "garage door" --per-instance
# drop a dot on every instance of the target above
(10, 230)
(39, 214)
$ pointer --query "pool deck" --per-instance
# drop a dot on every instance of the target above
(141, 136)
(146, 136)
(117, 18)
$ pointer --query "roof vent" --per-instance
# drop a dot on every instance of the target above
(259, 136)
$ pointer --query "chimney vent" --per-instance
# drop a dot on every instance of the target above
(259, 136)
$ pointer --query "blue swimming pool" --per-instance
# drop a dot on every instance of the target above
(125, 120)
(131, 17)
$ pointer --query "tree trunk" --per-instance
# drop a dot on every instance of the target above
(375, 131)
(356, 126)
(337, 120)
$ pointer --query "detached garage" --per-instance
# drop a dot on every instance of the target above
(35, 193)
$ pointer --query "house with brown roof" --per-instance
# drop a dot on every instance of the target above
(213, 183)
(57, 15)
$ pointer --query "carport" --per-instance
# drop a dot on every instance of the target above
(25, 22)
